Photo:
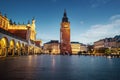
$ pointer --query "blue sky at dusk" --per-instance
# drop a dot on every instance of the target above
(90, 20)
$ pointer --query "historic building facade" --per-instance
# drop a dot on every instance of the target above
(17, 38)
(110, 43)
(83, 47)
(18, 29)
(65, 45)
(52, 47)
(75, 46)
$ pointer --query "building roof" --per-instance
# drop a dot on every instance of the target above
(11, 34)
(37, 43)
(114, 39)
(75, 43)
(20, 33)
(117, 38)
(82, 44)
(52, 41)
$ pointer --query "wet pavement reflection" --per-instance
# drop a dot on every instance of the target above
(58, 67)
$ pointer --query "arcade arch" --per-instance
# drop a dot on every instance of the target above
(11, 49)
(3, 46)
(18, 48)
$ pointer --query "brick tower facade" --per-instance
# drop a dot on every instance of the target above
(65, 45)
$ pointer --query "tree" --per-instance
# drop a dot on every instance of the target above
(107, 51)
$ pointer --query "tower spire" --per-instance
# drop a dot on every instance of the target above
(65, 14)
(33, 18)
(0, 13)
(28, 21)
(65, 19)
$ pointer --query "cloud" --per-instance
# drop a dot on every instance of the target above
(115, 17)
(96, 3)
(100, 31)
(81, 22)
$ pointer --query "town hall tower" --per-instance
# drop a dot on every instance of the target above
(65, 44)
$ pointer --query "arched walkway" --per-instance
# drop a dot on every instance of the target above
(18, 48)
(4, 46)
(26, 49)
(11, 50)
(22, 49)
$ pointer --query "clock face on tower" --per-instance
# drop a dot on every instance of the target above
(66, 25)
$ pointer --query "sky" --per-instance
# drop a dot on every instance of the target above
(90, 20)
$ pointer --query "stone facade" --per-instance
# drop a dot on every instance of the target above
(75, 47)
(52, 47)
(83, 47)
(110, 43)
(17, 39)
(14, 28)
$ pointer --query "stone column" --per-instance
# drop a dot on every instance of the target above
(13, 51)
(6, 52)
(19, 52)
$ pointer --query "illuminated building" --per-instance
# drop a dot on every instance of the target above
(110, 43)
(17, 39)
(83, 47)
(65, 45)
(52, 47)
(78, 47)
(18, 29)
(75, 47)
